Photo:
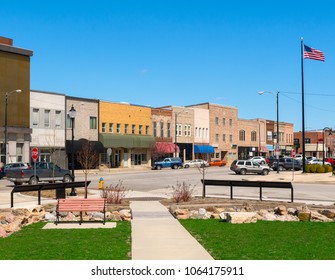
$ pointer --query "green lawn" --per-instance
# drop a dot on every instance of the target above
(265, 240)
(35, 243)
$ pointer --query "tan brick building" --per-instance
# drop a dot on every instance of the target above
(223, 132)
(127, 130)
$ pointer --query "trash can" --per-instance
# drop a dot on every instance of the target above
(60, 193)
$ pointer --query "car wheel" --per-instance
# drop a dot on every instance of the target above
(265, 172)
(186, 166)
(262, 162)
(33, 181)
(174, 166)
(243, 171)
(280, 168)
(67, 179)
(158, 167)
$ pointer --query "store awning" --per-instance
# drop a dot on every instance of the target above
(110, 140)
(203, 149)
(166, 148)
(264, 149)
(269, 147)
(79, 145)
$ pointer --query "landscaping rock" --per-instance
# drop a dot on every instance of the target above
(241, 217)
(304, 216)
(328, 213)
(317, 217)
(3, 232)
(49, 217)
(281, 210)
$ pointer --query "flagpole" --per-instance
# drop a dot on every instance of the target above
(303, 105)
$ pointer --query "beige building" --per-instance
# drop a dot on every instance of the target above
(223, 132)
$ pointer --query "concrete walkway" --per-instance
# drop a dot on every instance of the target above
(157, 235)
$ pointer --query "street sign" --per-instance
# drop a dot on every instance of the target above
(293, 153)
(34, 154)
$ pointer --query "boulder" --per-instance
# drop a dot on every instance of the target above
(281, 210)
(182, 217)
(292, 211)
(317, 217)
(179, 211)
(98, 216)
(202, 211)
(50, 217)
(3, 232)
(241, 217)
(304, 216)
(328, 213)
(125, 214)
(9, 217)
(21, 212)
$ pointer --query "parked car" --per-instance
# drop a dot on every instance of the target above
(311, 158)
(287, 163)
(330, 160)
(173, 163)
(258, 159)
(196, 163)
(45, 171)
(248, 166)
(218, 162)
(318, 161)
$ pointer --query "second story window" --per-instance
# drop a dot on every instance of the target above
(126, 128)
(118, 128)
(216, 120)
(253, 136)
(58, 119)
(230, 138)
(111, 128)
(168, 130)
(103, 127)
(133, 129)
(162, 129)
(93, 122)
(155, 129)
(36, 117)
(47, 118)
(230, 122)
(224, 121)
(147, 130)
(242, 135)
(140, 129)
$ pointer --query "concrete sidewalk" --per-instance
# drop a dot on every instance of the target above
(157, 235)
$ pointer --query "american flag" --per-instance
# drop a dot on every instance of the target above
(313, 54)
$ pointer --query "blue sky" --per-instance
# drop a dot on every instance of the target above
(169, 52)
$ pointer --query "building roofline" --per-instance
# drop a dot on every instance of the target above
(47, 92)
(11, 49)
(82, 98)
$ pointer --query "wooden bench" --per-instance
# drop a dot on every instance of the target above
(81, 205)
(257, 184)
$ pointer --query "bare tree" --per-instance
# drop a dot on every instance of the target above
(88, 159)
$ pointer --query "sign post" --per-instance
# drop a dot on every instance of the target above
(34, 156)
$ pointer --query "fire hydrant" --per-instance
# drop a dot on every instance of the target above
(101, 183)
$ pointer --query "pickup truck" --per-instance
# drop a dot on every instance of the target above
(173, 163)
(45, 171)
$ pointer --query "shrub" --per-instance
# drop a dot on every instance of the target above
(308, 168)
(320, 169)
(312, 168)
(114, 194)
(182, 192)
(328, 168)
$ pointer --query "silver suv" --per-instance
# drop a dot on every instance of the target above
(247, 166)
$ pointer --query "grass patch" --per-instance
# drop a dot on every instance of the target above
(265, 240)
(34, 243)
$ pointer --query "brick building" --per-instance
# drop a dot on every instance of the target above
(15, 92)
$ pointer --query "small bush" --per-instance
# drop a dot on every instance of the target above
(182, 192)
(320, 169)
(308, 168)
(312, 168)
(114, 194)
(328, 168)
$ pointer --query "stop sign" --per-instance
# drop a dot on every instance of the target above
(34, 154)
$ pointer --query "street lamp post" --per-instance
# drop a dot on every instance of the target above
(6, 120)
(72, 115)
(277, 144)
(323, 146)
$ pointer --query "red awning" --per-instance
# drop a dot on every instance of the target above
(166, 148)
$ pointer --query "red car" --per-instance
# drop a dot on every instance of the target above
(330, 160)
(218, 162)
